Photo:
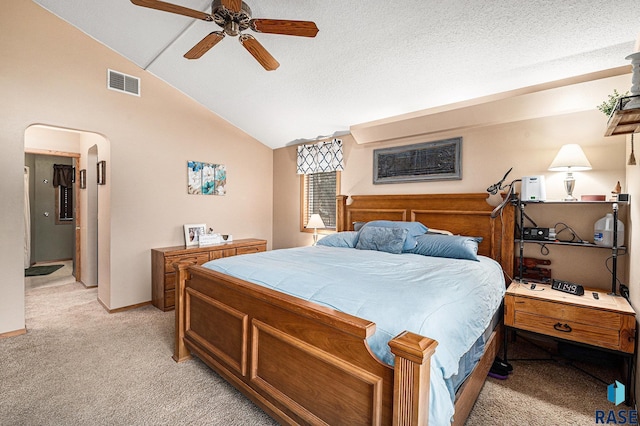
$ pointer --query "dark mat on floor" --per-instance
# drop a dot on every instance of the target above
(41, 270)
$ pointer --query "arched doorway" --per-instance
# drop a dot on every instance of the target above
(87, 148)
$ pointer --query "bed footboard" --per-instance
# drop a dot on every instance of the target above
(301, 362)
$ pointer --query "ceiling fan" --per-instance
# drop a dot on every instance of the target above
(234, 16)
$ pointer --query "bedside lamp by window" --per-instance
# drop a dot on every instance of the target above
(315, 222)
(570, 159)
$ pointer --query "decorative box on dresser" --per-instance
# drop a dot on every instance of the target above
(163, 274)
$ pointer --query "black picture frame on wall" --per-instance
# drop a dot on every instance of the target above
(428, 161)
(102, 172)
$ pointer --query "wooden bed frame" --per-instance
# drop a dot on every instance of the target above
(308, 364)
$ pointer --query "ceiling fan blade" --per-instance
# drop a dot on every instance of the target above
(173, 8)
(204, 45)
(285, 27)
(232, 5)
(259, 52)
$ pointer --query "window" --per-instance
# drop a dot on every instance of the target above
(318, 195)
(64, 204)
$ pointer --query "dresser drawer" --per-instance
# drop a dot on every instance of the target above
(195, 258)
(169, 299)
(219, 254)
(170, 281)
(250, 249)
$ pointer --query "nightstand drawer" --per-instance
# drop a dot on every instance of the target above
(569, 330)
(607, 322)
(570, 313)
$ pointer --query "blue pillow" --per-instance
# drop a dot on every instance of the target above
(414, 229)
(379, 238)
(451, 246)
(345, 239)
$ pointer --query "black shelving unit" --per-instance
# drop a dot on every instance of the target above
(614, 249)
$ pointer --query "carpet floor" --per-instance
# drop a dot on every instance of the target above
(545, 392)
(79, 365)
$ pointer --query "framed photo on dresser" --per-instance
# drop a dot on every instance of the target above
(192, 232)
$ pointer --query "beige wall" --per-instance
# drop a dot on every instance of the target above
(53, 74)
(490, 147)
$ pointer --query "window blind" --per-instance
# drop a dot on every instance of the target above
(320, 191)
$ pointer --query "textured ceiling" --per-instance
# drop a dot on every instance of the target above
(371, 59)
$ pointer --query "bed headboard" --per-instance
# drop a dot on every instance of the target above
(462, 214)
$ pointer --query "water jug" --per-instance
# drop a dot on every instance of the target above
(603, 232)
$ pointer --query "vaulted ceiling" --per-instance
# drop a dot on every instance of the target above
(370, 60)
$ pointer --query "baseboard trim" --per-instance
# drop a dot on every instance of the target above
(87, 285)
(13, 333)
(124, 308)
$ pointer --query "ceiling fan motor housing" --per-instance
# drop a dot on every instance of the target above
(232, 23)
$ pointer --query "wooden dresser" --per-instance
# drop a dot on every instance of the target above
(162, 259)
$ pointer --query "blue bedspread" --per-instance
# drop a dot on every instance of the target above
(449, 300)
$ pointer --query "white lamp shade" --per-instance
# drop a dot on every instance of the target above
(315, 221)
(570, 158)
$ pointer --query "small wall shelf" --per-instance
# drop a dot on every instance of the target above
(623, 121)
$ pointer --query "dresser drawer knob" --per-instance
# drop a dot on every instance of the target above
(565, 328)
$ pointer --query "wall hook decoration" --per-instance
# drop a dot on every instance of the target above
(632, 157)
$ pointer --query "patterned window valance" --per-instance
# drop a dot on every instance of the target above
(320, 157)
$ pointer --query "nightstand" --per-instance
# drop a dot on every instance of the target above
(607, 322)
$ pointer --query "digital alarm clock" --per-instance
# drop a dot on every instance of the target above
(567, 287)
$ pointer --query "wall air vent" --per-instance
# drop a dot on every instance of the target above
(123, 82)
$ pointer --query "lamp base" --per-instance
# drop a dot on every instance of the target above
(569, 183)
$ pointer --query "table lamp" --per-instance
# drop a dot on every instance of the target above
(315, 222)
(570, 159)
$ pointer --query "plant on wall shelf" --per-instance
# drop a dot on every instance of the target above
(608, 105)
